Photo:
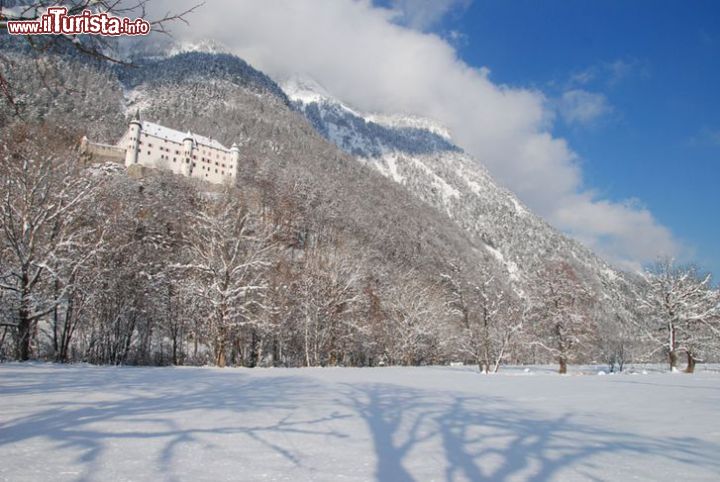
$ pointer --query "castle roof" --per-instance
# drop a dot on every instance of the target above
(156, 130)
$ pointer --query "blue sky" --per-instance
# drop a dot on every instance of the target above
(655, 67)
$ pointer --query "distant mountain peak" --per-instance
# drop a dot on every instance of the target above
(305, 89)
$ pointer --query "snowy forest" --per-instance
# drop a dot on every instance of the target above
(311, 259)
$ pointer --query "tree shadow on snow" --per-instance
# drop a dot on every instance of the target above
(487, 439)
(144, 404)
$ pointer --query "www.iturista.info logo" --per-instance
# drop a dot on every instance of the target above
(56, 21)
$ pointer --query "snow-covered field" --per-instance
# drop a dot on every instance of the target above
(389, 424)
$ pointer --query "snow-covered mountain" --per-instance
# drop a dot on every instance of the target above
(396, 183)
(419, 155)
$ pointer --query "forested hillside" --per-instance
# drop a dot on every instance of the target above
(313, 258)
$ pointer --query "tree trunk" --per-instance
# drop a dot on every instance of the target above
(174, 350)
(562, 359)
(127, 342)
(307, 342)
(673, 358)
(220, 360)
(691, 362)
(672, 353)
(22, 348)
(2, 338)
(221, 347)
(67, 333)
(254, 348)
(563, 365)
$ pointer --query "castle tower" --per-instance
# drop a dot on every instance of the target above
(133, 148)
(235, 151)
(189, 149)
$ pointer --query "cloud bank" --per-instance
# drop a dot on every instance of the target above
(580, 107)
(369, 60)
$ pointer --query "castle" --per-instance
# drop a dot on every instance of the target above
(148, 145)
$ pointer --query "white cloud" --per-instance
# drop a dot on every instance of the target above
(612, 228)
(580, 107)
(362, 56)
(610, 74)
(583, 77)
(706, 136)
(424, 14)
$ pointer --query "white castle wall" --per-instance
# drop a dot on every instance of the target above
(154, 146)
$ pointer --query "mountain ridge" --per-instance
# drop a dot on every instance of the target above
(447, 178)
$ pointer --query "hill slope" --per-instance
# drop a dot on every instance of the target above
(420, 156)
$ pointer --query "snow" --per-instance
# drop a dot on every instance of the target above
(162, 132)
(136, 100)
(519, 208)
(438, 182)
(411, 121)
(209, 46)
(391, 171)
(386, 424)
(511, 266)
(305, 89)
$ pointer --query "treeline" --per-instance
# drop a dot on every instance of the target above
(100, 267)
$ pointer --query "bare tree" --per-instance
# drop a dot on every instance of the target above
(45, 241)
(562, 309)
(682, 313)
(617, 319)
(490, 319)
(329, 292)
(416, 318)
(96, 47)
(227, 256)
